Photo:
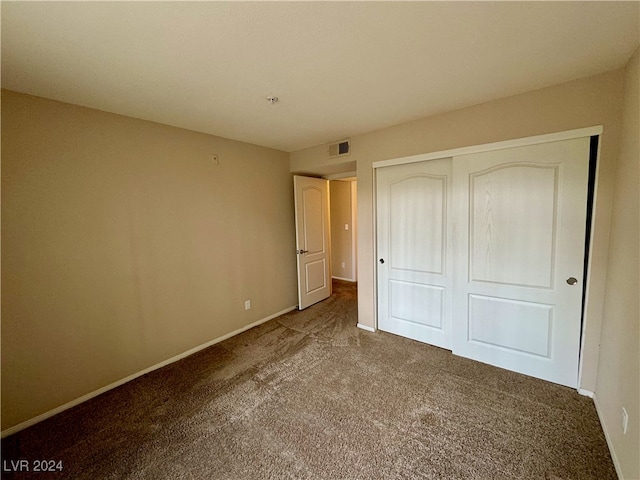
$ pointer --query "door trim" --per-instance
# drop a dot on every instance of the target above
(488, 147)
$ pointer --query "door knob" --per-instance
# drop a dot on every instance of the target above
(302, 251)
(382, 260)
(572, 280)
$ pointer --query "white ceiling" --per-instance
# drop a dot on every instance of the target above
(339, 68)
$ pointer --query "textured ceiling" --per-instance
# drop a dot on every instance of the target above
(338, 68)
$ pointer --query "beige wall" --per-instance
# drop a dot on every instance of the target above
(341, 239)
(587, 102)
(619, 365)
(124, 246)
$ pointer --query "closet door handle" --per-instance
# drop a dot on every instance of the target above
(382, 260)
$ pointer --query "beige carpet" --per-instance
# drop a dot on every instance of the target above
(310, 396)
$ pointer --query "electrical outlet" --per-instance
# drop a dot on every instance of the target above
(346, 226)
(343, 265)
(247, 304)
(625, 420)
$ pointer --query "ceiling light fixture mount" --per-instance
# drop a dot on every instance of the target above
(272, 99)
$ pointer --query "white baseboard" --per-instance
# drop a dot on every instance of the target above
(366, 327)
(345, 279)
(616, 463)
(585, 393)
(88, 396)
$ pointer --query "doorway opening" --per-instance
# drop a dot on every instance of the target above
(326, 233)
(343, 208)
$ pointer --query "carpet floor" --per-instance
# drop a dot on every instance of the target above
(309, 396)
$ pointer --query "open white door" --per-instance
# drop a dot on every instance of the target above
(312, 239)
(519, 270)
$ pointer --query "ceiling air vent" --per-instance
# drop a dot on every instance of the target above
(340, 149)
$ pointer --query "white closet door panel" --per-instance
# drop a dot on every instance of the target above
(416, 303)
(416, 211)
(414, 272)
(512, 224)
(520, 229)
(509, 324)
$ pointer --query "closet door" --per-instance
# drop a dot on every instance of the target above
(414, 261)
(520, 233)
